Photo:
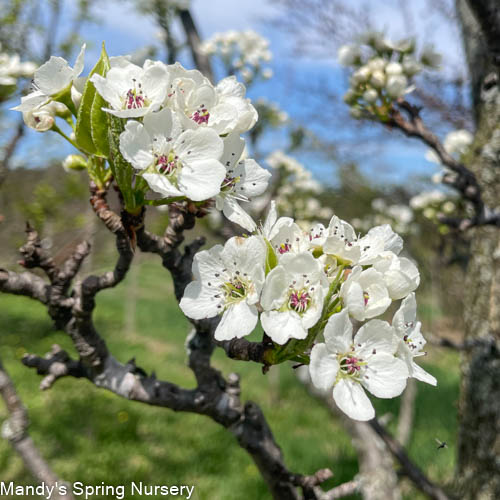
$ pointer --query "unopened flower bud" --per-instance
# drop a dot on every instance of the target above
(356, 113)
(370, 95)
(396, 86)
(41, 120)
(361, 75)
(378, 79)
(348, 54)
(393, 69)
(74, 162)
(377, 64)
(411, 66)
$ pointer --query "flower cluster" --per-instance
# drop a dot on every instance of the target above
(382, 71)
(433, 204)
(180, 133)
(302, 284)
(241, 51)
(11, 68)
(456, 144)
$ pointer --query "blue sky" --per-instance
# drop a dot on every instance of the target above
(395, 159)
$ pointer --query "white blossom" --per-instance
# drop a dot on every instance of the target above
(223, 108)
(292, 297)
(411, 340)
(365, 293)
(132, 91)
(350, 365)
(400, 274)
(347, 55)
(244, 179)
(174, 163)
(50, 79)
(227, 280)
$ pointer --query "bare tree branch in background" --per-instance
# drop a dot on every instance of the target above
(15, 431)
(201, 60)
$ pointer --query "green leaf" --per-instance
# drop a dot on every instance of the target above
(99, 126)
(91, 123)
(123, 171)
(271, 258)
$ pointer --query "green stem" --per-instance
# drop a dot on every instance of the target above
(55, 128)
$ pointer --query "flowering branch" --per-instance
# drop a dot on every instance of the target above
(215, 396)
(463, 181)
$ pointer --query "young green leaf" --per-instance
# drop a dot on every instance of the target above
(93, 141)
(271, 258)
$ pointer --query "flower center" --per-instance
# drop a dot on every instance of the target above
(235, 290)
(135, 98)
(167, 164)
(299, 300)
(228, 183)
(366, 297)
(201, 116)
(284, 248)
(350, 365)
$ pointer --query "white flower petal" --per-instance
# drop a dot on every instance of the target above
(338, 332)
(235, 213)
(237, 321)
(420, 374)
(160, 184)
(198, 145)
(136, 145)
(385, 375)
(352, 400)
(283, 326)
(198, 302)
(202, 179)
(323, 367)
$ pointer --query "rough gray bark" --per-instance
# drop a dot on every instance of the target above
(15, 431)
(478, 474)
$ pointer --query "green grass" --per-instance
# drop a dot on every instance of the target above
(90, 435)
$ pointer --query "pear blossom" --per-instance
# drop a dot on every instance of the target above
(50, 79)
(223, 108)
(132, 91)
(292, 297)
(11, 68)
(227, 280)
(347, 55)
(244, 179)
(272, 224)
(350, 365)
(411, 340)
(396, 85)
(43, 117)
(378, 239)
(400, 274)
(341, 242)
(56, 75)
(173, 162)
(365, 293)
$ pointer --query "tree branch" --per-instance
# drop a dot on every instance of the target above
(201, 60)
(463, 180)
(214, 396)
(15, 430)
(421, 481)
